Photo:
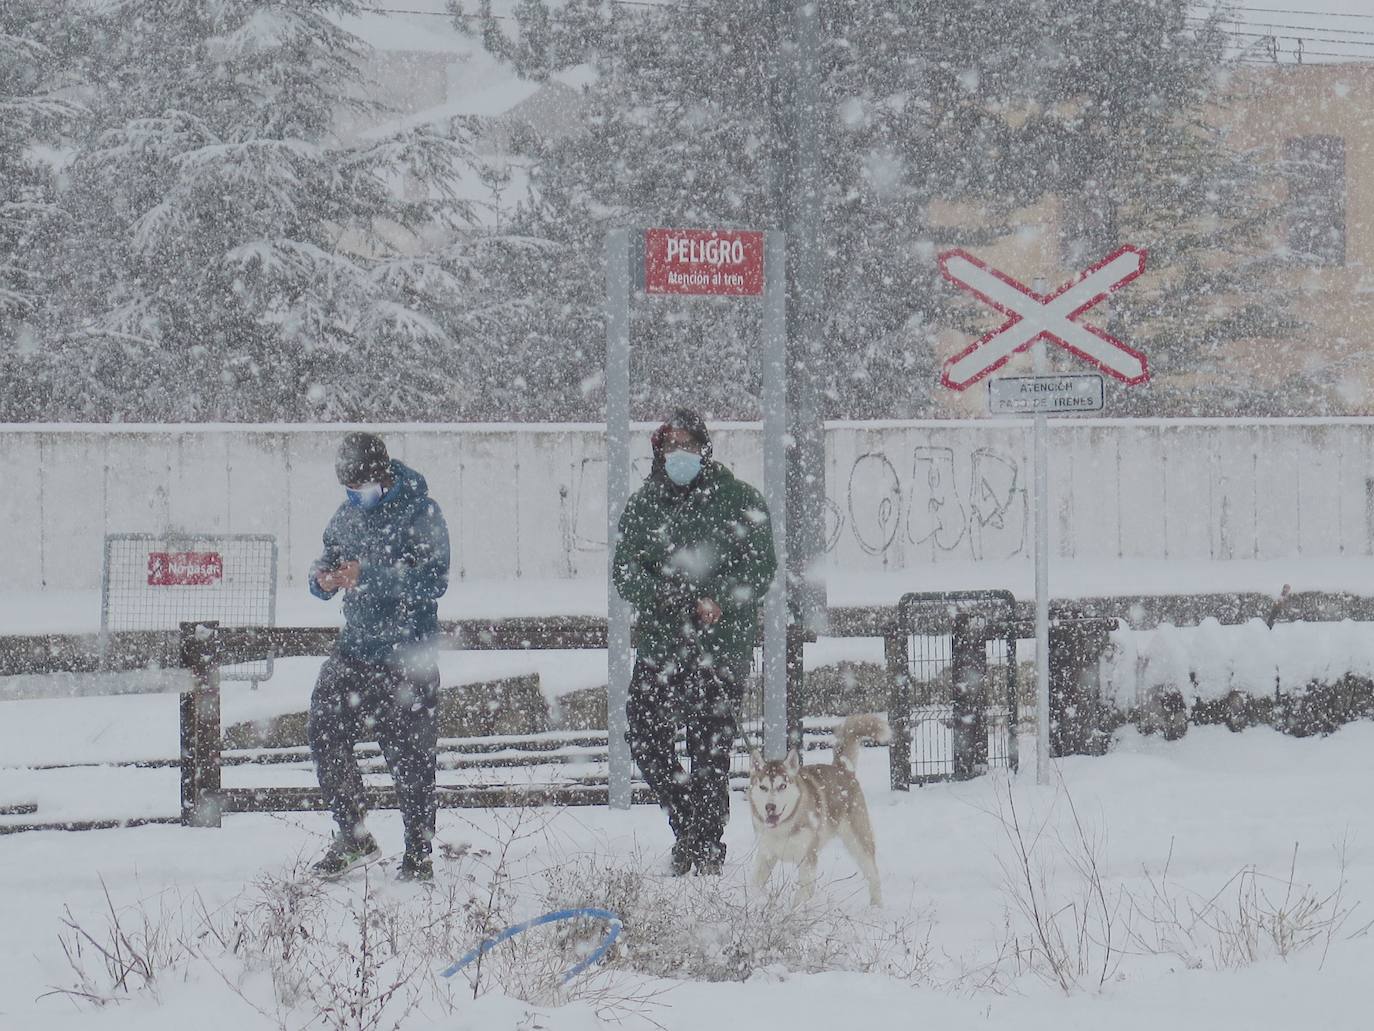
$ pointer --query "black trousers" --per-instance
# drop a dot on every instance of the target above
(393, 705)
(704, 701)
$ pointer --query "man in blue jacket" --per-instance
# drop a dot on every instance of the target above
(387, 549)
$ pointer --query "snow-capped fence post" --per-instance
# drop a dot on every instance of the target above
(200, 726)
(797, 636)
(1078, 716)
(898, 707)
(968, 671)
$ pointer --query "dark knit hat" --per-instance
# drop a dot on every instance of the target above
(362, 459)
(682, 419)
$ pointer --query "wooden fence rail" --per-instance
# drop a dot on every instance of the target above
(203, 649)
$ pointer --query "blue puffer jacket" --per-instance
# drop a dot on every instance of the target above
(402, 546)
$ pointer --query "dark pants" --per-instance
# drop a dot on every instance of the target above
(705, 701)
(396, 707)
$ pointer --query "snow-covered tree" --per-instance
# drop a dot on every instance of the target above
(937, 126)
(685, 109)
(33, 113)
(224, 255)
(1125, 126)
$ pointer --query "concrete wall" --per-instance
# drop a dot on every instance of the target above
(529, 502)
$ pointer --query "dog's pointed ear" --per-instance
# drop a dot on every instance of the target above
(755, 757)
(792, 763)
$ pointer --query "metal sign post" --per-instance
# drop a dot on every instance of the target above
(1033, 318)
(1041, 448)
(619, 659)
(1042, 602)
(775, 492)
(695, 262)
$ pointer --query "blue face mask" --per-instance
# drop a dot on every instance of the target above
(682, 466)
(367, 496)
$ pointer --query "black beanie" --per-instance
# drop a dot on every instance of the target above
(362, 459)
(682, 419)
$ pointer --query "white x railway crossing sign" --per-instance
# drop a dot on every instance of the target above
(1032, 315)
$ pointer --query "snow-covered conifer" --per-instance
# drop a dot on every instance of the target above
(33, 114)
(228, 256)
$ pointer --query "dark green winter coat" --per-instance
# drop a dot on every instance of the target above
(711, 539)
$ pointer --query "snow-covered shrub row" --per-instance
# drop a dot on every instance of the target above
(1209, 661)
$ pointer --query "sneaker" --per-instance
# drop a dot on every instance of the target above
(346, 854)
(681, 859)
(419, 869)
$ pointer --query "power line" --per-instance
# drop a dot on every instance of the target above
(1305, 31)
(1304, 52)
(1278, 25)
(1314, 39)
(1198, 20)
(1194, 3)
(1300, 34)
(1299, 53)
(1276, 10)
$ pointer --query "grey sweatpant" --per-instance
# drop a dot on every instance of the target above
(398, 708)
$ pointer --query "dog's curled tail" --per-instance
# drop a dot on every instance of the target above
(854, 730)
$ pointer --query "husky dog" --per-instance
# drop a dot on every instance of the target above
(797, 809)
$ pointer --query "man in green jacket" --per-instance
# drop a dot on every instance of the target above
(694, 556)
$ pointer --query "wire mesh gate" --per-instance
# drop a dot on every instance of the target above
(156, 582)
(954, 704)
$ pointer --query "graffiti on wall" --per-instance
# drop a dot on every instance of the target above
(891, 503)
(948, 503)
(974, 503)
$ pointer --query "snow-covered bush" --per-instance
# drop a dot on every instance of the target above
(721, 929)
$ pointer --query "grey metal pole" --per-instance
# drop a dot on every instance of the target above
(797, 203)
(808, 472)
(1042, 604)
(1042, 575)
(775, 491)
(619, 658)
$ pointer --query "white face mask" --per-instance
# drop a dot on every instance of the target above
(365, 496)
(682, 467)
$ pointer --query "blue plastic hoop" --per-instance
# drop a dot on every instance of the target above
(613, 927)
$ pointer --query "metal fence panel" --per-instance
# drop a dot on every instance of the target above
(960, 684)
(159, 581)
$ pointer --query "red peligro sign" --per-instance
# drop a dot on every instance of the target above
(184, 568)
(724, 262)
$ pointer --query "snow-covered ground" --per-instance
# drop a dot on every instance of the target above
(1181, 824)
(1235, 870)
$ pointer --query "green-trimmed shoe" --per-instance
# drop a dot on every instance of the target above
(346, 854)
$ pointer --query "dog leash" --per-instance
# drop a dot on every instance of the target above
(742, 732)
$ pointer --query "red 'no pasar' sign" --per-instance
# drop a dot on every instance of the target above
(724, 262)
(184, 568)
